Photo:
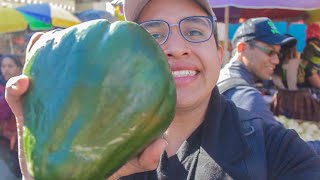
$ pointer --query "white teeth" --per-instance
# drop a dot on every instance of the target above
(183, 73)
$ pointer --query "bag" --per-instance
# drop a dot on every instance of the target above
(299, 104)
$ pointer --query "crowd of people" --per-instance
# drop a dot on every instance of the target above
(297, 79)
(223, 127)
(10, 66)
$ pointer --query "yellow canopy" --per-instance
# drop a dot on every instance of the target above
(62, 18)
(11, 20)
(314, 16)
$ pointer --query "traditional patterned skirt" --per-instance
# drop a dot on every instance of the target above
(300, 104)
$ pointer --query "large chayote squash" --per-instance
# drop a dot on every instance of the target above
(98, 94)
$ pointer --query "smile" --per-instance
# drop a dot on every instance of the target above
(183, 73)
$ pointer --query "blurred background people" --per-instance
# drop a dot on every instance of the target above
(285, 73)
(9, 66)
(309, 69)
(303, 103)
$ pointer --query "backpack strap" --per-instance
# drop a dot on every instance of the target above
(229, 83)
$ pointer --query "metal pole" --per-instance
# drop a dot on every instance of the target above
(11, 44)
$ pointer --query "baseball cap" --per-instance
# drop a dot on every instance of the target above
(290, 41)
(260, 29)
(133, 8)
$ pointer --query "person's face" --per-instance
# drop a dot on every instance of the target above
(260, 63)
(195, 66)
(9, 68)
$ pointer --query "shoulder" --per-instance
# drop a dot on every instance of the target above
(271, 145)
(285, 145)
(245, 115)
(245, 97)
(250, 122)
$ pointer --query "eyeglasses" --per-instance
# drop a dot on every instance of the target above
(195, 29)
(269, 52)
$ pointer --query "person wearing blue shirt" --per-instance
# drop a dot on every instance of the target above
(256, 44)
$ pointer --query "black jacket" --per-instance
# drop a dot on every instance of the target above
(234, 144)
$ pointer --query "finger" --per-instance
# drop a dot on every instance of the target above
(21, 155)
(147, 161)
(150, 157)
(15, 88)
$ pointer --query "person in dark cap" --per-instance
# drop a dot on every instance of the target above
(261, 29)
(256, 46)
(209, 137)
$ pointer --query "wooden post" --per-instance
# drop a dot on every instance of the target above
(226, 33)
(10, 43)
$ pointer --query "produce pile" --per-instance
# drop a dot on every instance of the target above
(308, 130)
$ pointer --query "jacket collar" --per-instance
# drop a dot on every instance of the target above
(222, 138)
(236, 69)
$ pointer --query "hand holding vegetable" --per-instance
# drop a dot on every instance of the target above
(88, 109)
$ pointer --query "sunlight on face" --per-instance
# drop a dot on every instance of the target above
(195, 66)
(260, 63)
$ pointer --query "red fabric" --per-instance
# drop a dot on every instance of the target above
(274, 14)
(1, 90)
(9, 127)
(5, 111)
(313, 31)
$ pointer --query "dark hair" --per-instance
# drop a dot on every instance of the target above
(214, 28)
(215, 34)
(13, 57)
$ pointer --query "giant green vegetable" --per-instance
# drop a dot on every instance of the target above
(99, 93)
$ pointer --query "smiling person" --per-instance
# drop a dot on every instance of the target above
(209, 138)
(257, 44)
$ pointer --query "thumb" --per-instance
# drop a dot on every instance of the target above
(148, 160)
(15, 88)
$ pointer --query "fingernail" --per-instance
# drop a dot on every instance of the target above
(13, 82)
